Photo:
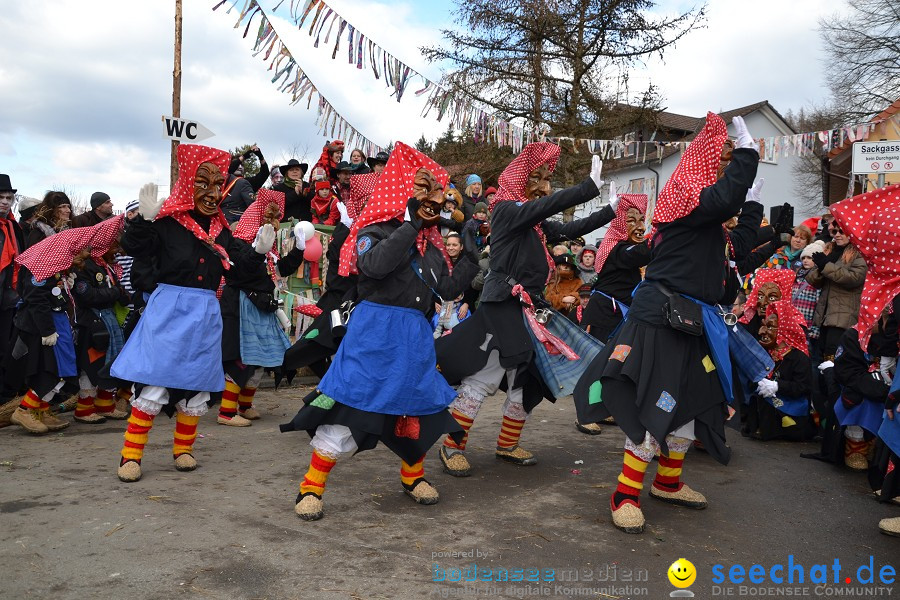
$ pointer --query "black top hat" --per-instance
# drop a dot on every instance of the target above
(5, 185)
(379, 159)
(345, 166)
(294, 163)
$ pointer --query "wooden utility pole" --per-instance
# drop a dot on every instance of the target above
(176, 92)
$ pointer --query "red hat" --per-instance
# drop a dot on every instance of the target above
(783, 278)
(872, 221)
(491, 190)
(790, 325)
(252, 219)
(696, 170)
(618, 230)
(388, 201)
(812, 224)
(323, 185)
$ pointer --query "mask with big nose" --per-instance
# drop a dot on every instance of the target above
(208, 184)
(429, 193)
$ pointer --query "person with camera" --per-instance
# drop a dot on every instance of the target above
(666, 375)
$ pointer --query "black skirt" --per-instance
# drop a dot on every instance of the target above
(316, 344)
(656, 379)
(410, 438)
(765, 422)
(36, 369)
(884, 472)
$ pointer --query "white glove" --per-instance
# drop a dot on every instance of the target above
(887, 365)
(265, 237)
(70, 279)
(597, 171)
(825, 366)
(50, 340)
(744, 139)
(754, 194)
(299, 237)
(148, 204)
(767, 388)
(613, 196)
(345, 216)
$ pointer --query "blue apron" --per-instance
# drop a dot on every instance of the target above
(177, 343)
(263, 341)
(558, 372)
(868, 414)
(790, 405)
(64, 349)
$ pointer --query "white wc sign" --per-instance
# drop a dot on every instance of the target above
(185, 130)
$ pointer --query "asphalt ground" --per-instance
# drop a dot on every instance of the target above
(70, 529)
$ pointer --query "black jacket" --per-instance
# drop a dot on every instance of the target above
(851, 371)
(392, 272)
(94, 288)
(87, 219)
(516, 248)
(39, 302)
(688, 254)
(239, 197)
(295, 206)
(794, 375)
(337, 287)
(181, 258)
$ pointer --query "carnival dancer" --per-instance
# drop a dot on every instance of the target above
(382, 384)
(252, 337)
(504, 338)
(666, 375)
(44, 346)
(318, 343)
(99, 337)
(174, 355)
(779, 406)
(769, 286)
(620, 257)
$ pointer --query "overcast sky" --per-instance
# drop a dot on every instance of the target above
(84, 85)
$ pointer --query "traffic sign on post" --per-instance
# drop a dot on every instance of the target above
(185, 130)
(872, 158)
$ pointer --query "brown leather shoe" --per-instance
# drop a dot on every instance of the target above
(53, 422)
(29, 420)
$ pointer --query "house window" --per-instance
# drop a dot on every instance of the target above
(636, 186)
(767, 152)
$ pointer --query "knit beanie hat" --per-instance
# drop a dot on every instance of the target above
(322, 185)
(816, 246)
(473, 178)
(480, 207)
(98, 198)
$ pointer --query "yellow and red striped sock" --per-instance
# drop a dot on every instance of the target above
(668, 473)
(228, 408)
(631, 480)
(185, 433)
(105, 402)
(139, 424)
(85, 406)
(319, 468)
(30, 401)
(464, 422)
(854, 447)
(245, 399)
(410, 473)
(510, 431)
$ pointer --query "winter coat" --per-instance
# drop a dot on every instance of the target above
(841, 284)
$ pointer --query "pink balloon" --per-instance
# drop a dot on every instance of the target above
(313, 250)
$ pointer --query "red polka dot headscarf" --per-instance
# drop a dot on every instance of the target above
(783, 278)
(790, 325)
(361, 188)
(180, 202)
(618, 229)
(388, 201)
(514, 177)
(696, 170)
(106, 233)
(252, 219)
(54, 254)
(872, 221)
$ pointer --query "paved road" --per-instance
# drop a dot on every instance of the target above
(70, 529)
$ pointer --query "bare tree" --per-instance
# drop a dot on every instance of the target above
(808, 170)
(863, 66)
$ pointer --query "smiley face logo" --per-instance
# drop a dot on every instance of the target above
(682, 573)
